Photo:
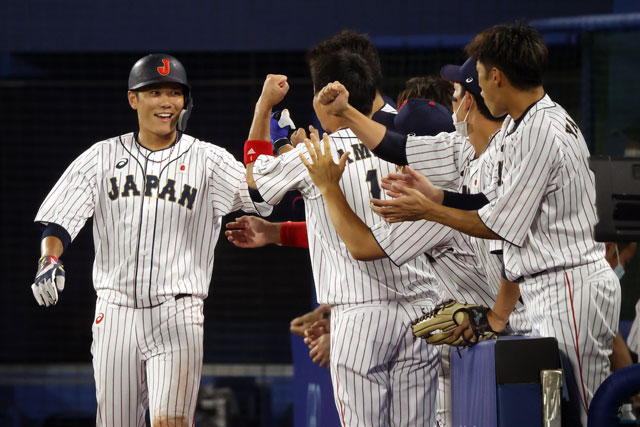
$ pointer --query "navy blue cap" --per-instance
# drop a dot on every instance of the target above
(423, 117)
(465, 74)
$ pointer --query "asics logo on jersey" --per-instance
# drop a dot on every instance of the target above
(151, 185)
(99, 318)
(165, 69)
(122, 163)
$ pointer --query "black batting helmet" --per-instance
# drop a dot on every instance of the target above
(157, 68)
(162, 68)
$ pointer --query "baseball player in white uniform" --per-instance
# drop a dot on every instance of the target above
(157, 197)
(380, 375)
(455, 161)
(541, 207)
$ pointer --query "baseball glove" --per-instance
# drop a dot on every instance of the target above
(437, 326)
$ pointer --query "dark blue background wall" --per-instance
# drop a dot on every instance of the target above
(200, 25)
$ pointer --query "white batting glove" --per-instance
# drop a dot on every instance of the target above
(49, 281)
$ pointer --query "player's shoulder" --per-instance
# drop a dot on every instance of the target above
(344, 138)
(547, 115)
(108, 145)
(194, 144)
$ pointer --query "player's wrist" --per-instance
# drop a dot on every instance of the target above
(348, 114)
(497, 321)
(264, 106)
(329, 189)
(272, 232)
(438, 196)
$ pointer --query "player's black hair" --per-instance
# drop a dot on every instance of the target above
(482, 107)
(428, 87)
(517, 50)
(352, 42)
(352, 71)
(623, 245)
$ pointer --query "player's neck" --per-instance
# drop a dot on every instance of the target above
(520, 101)
(480, 133)
(378, 102)
(156, 142)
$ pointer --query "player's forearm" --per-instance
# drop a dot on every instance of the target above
(352, 230)
(620, 356)
(51, 245)
(506, 300)
(367, 131)
(250, 181)
(261, 122)
(467, 222)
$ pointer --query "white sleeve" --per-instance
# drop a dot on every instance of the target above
(633, 340)
(405, 241)
(534, 161)
(275, 176)
(437, 157)
(72, 200)
(228, 189)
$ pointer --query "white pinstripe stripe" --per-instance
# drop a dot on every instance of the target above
(465, 266)
(139, 350)
(633, 340)
(383, 385)
(547, 203)
(596, 306)
(368, 346)
(172, 239)
(333, 266)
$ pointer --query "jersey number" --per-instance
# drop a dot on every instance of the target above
(374, 186)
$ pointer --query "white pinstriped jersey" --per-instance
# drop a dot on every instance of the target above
(633, 340)
(442, 157)
(461, 275)
(545, 206)
(157, 214)
(468, 271)
(467, 266)
(339, 278)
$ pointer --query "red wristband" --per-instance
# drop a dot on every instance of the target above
(294, 234)
(254, 147)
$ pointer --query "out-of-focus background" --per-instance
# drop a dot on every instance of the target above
(63, 73)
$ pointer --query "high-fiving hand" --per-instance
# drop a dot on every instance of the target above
(322, 169)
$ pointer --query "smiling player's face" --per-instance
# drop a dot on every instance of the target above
(158, 108)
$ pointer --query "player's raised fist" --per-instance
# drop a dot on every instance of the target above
(274, 90)
(334, 97)
(49, 281)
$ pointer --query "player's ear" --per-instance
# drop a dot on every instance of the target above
(133, 99)
(610, 251)
(468, 100)
(497, 76)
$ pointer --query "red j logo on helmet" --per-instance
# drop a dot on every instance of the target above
(165, 69)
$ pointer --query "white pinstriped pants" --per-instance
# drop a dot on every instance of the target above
(580, 307)
(147, 357)
(381, 376)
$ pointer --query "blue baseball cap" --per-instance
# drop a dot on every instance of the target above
(423, 117)
(465, 74)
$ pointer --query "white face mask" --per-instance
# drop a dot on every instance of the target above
(619, 270)
(461, 127)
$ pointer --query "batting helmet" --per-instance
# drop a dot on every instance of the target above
(162, 68)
